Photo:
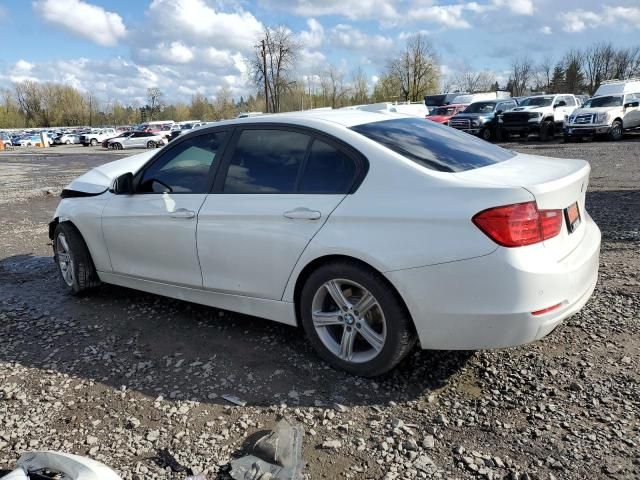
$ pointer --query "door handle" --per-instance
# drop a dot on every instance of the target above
(182, 213)
(302, 214)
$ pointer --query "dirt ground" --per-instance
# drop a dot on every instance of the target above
(127, 377)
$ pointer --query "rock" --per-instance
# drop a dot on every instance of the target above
(332, 444)
(153, 435)
(340, 408)
(91, 440)
(429, 441)
(442, 419)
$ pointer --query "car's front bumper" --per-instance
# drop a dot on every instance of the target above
(521, 127)
(586, 131)
(486, 302)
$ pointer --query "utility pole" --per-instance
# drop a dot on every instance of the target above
(90, 110)
(264, 71)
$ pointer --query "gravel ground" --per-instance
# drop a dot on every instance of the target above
(125, 377)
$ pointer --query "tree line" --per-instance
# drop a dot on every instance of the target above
(412, 72)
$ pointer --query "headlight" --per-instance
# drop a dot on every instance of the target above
(601, 117)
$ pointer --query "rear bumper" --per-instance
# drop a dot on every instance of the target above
(571, 131)
(486, 302)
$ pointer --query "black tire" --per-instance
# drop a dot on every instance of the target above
(616, 132)
(84, 276)
(117, 146)
(567, 138)
(486, 134)
(94, 142)
(546, 130)
(524, 134)
(400, 336)
(151, 144)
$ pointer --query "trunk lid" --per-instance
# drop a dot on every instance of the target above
(555, 184)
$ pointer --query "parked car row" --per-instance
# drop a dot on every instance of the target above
(614, 109)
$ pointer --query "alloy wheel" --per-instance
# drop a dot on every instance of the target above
(65, 262)
(349, 320)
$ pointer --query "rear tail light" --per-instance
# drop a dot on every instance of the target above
(519, 224)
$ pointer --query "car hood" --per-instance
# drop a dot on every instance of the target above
(527, 108)
(595, 110)
(99, 179)
(439, 118)
(472, 115)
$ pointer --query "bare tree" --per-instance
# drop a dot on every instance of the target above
(29, 100)
(280, 55)
(359, 87)
(521, 74)
(333, 86)
(154, 101)
(544, 73)
(598, 65)
(416, 68)
(473, 81)
(627, 63)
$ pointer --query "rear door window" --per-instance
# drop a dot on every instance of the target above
(327, 170)
(266, 161)
(432, 145)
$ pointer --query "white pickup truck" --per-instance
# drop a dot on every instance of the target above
(613, 109)
(543, 115)
(97, 136)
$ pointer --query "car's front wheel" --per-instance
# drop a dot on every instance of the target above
(77, 272)
(354, 319)
(151, 144)
(615, 133)
(94, 142)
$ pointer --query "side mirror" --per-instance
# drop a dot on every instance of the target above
(123, 185)
(499, 112)
(561, 103)
(632, 104)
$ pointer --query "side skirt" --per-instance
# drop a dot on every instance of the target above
(276, 310)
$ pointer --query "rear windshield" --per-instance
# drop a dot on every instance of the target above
(434, 146)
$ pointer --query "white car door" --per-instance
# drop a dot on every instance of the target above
(631, 117)
(275, 190)
(559, 109)
(151, 234)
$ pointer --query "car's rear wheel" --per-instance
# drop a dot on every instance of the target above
(151, 144)
(615, 133)
(94, 142)
(77, 272)
(117, 146)
(67, 142)
(354, 320)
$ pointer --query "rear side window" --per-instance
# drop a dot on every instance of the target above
(432, 145)
(327, 170)
(266, 161)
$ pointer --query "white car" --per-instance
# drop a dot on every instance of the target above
(372, 231)
(136, 140)
(67, 139)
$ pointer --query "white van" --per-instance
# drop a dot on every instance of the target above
(469, 98)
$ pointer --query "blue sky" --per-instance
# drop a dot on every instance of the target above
(116, 49)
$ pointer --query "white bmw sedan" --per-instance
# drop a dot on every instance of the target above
(372, 231)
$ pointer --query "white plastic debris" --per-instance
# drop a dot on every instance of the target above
(48, 463)
(234, 399)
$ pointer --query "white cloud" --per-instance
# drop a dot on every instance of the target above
(517, 7)
(349, 37)
(195, 22)
(83, 19)
(313, 37)
(579, 20)
(447, 15)
(546, 30)
(352, 9)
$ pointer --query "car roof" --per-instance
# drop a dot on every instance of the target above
(345, 118)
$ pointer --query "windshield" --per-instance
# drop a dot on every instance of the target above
(480, 107)
(608, 101)
(443, 111)
(432, 145)
(536, 102)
